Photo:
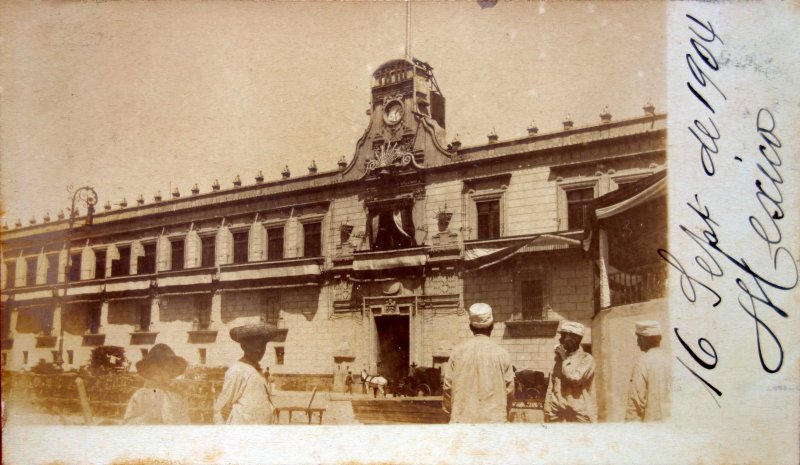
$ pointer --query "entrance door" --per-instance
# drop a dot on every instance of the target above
(393, 346)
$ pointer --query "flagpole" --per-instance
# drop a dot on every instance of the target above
(408, 29)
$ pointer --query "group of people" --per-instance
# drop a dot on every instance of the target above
(245, 397)
(478, 385)
(479, 382)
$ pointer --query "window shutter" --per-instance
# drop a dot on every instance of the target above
(193, 250)
(41, 268)
(62, 265)
(87, 263)
(418, 222)
(112, 253)
(256, 243)
(163, 254)
(21, 271)
(224, 246)
(137, 250)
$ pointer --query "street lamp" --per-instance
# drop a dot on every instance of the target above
(85, 195)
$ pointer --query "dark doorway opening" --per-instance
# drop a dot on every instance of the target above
(392, 346)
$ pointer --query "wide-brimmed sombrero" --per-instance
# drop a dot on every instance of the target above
(254, 331)
(161, 359)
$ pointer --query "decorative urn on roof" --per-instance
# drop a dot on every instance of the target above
(533, 129)
(259, 177)
(312, 168)
(568, 123)
(492, 136)
(605, 116)
(237, 181)
(286, 173)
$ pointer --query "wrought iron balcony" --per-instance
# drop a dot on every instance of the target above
(638, 284)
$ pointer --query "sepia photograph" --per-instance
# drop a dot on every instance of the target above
(333, 217)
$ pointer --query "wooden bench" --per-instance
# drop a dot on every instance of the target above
(309, 410)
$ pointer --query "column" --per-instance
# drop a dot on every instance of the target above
(103, 317)
(58, 311)
(216, 310)
(155, 313)
(602, 262)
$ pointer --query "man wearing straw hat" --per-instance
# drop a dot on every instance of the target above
(157, 402)
(245, 398)
(570, 392)
(479, 382)
(648, 398)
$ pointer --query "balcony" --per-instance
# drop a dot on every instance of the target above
(46, 339)
(93, 339)
(142, 335)
(638, 284)
(202, 333)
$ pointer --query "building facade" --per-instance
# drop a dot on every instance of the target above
(371, 265)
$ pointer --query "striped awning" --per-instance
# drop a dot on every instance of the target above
(483, 255)
(385, 260)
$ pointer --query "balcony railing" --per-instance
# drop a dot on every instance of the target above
(638, 284)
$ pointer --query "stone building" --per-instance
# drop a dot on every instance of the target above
(369, 265)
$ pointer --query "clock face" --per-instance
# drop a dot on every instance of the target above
(393, 113)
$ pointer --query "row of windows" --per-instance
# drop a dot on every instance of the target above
(146, 263)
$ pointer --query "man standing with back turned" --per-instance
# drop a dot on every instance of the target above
(479, 382)
(648, 394)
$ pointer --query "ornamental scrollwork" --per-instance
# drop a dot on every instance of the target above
(390, 156)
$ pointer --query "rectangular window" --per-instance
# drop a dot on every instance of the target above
(202, 353)
(146, 264)
(24, 357)
(240, 247)
(75, 267)
(122, 266)
(5, 359)
(30, 275)
(275, 243)
(488, 219)
(52, 269)
(144, 352)
(532, 299)
(279, 355)
(70, 357)
(176, 259)
(94, 319)
(99, 264)
(312, 239)
(577, 201)
(11, 273)
(209, 250)
(144, 317)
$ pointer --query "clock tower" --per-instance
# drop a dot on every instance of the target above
(407, 117)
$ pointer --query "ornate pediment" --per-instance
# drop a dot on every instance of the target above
(389, 157)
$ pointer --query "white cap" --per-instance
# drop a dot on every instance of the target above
(480, 315)
(571, 327)
(648, 328)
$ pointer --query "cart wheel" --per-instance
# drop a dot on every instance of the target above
(423, 390)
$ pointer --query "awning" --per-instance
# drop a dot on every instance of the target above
(286, 271)
(657, 189)
(483, 255)
(184, 280)
(385, 260)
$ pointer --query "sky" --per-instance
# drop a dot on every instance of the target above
(137, 97)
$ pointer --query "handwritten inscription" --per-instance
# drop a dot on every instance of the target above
(714, 259)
